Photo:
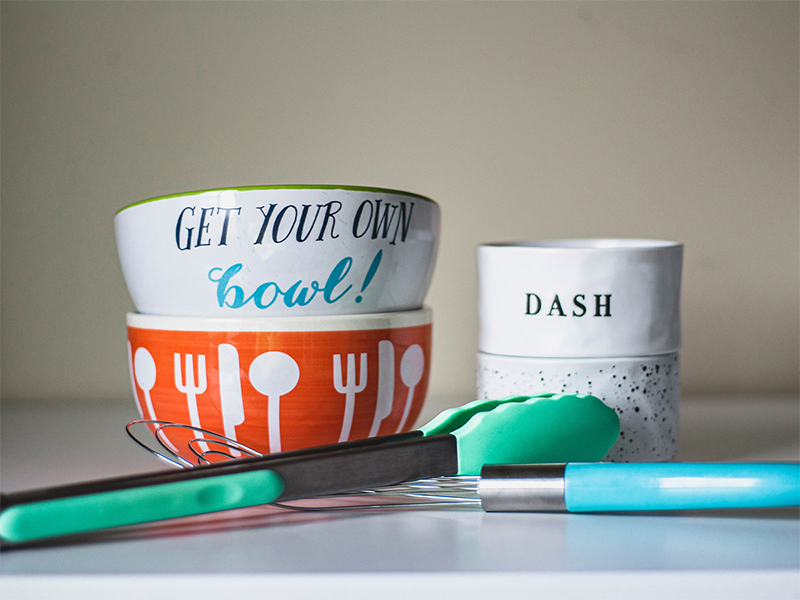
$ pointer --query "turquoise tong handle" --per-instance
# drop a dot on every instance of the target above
(597, 487)
(64, 516)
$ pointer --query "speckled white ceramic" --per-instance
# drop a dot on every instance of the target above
(643, 390)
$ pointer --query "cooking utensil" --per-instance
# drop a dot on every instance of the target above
(594, 487)
(350, 388)
(145, 371)
(383, 405)
(601, 487)
(274, 374)
(230, 392)
(617, 486)
(190, 388)
(547, 428)
(412, 365)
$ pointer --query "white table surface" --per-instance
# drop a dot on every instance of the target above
(436, 553)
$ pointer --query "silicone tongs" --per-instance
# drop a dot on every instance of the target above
(523, 429)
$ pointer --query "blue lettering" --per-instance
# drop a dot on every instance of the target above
(266, 294)
(289, 298)
(258, 295)
(339, 272)
(222, 286)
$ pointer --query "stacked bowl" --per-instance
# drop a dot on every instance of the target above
(282, 317)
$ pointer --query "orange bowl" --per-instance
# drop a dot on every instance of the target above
(277, 384)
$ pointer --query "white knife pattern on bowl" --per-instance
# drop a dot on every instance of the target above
(230, 392)
(385, 398)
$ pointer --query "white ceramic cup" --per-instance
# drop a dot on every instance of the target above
(580, 298)
(279, 251)
(643, 390)
(587, 316)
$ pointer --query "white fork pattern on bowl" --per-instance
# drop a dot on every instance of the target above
(190, 388)
(350, 388)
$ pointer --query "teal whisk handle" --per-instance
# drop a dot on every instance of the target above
(611, 487)
(672, 486)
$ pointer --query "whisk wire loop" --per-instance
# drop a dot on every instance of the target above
(208, 446)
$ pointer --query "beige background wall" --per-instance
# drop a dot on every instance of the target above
(524, 120)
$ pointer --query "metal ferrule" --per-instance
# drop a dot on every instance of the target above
(522, 488)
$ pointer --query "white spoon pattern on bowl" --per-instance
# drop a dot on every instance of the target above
(412, 366)
(274, 374)
(144, 368)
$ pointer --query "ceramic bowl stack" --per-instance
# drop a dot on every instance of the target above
(282, 317)
(587, 316)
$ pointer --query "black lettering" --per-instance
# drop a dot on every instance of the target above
(382, 222)
(203, 226)
(188, 230)
(580, 305)
(223, 240)
(357, 220)
(330, 214)
(556, 306)
(528, 304)
(300, 237)
(267, 216)
(278, 219)
(401, 220)
(598, 305)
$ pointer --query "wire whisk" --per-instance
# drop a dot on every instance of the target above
(207, 447)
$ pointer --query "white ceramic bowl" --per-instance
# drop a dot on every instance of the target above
(644, 390)
(279, 251)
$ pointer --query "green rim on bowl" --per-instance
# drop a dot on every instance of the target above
(354, 188)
